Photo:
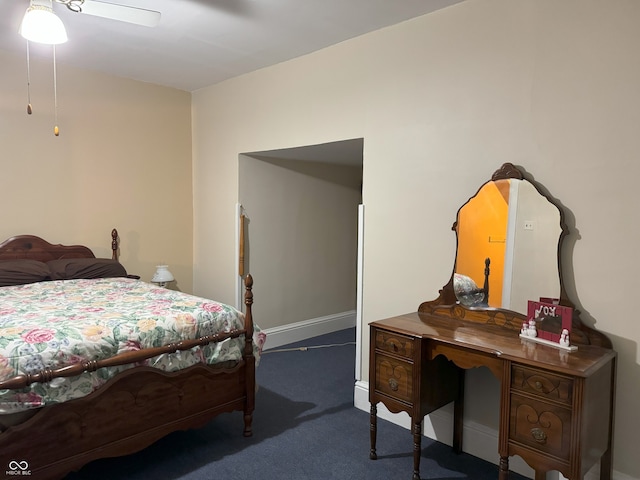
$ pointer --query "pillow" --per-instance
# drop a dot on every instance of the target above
(19, 272)
(75, 268)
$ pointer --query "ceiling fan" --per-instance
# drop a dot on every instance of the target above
(114, 11)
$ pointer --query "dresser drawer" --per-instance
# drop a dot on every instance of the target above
(544, 426)
(394, 343)
(394, 377)
(542, 384)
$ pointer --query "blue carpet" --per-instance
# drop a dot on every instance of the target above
(305, 428)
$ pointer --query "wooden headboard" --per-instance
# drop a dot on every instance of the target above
(35, 248)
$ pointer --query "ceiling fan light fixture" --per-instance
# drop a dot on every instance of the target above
(41, 25)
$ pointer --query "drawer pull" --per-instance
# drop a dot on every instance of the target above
(393, 345)
(538, 386)
(393, 384)
(539, 435)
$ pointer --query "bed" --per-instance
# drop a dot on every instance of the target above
(60, 409)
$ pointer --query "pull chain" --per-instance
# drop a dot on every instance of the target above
(56, 130)
(29, 109)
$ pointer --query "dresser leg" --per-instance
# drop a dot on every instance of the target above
(504, 468)
(458, 414)
(541, 475)
(373, 430)
(606, 466)
(417, 448)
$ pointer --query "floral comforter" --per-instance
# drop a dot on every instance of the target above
(58, 323)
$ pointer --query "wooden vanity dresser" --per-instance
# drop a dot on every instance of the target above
(556, 406)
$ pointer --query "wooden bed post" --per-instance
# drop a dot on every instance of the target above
(114, 244)
(250, 369)
(248, 301)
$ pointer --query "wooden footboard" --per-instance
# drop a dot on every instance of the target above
(131, 411)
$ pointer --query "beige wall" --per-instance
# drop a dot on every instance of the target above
(442, 101)
(301, 236)
(123, 160)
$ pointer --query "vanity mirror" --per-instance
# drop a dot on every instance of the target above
(509, 238)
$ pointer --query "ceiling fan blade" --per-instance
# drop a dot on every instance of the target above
(123, 13)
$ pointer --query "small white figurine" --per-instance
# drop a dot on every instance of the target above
(564, 338)
(525, 328)
(531, 330)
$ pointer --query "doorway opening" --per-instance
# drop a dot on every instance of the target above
(302, 237)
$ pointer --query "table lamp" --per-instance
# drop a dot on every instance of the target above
(162, 276)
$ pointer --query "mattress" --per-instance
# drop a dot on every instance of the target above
(58, 323)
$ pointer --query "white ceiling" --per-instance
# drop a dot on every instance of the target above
(203, 42)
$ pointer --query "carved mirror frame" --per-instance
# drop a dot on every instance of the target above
(447, 304)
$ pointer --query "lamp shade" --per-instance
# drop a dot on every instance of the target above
(162, 275)
(41, 25)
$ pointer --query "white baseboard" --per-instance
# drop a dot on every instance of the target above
(479, 440)
(295, 332)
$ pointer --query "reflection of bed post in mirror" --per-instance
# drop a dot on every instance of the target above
(487, 271)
